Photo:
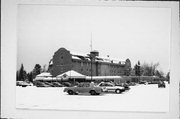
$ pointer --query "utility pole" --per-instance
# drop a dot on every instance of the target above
(91, 42)
(91, 56)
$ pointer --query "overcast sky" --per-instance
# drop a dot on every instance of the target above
(136, 33)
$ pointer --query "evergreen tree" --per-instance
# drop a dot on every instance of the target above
(30, 76)
(21, 73)
(159, 74)
(168, 77)
(137, 69)
(25, 76)
(17, 75)
(36, 70)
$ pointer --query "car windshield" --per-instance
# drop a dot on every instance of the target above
(109, 84)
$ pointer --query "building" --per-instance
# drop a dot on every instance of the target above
(89, 65)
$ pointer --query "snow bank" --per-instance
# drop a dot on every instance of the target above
(141, 98)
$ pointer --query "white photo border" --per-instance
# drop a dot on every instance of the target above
(9, 61)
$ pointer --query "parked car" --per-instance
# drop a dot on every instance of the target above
(23, 83)
(49, 84)
(41, 84)
(67, 84)
(56, 84)
(132, 84)
(126, 86)
(110, 87)
(143, 82)
(83, 88)
(153, 82)
(161, 84)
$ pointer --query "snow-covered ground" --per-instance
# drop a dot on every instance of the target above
(146, 98)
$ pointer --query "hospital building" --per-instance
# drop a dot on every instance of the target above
(64, 60)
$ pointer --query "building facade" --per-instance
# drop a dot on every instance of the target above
(91, 64)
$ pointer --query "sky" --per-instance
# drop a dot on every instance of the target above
(138, 33)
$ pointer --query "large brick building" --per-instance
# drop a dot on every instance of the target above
(63, 60)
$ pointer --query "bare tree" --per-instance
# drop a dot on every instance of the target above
(44, 69)
(150, 69)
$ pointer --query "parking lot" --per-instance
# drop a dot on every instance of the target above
(143, 98)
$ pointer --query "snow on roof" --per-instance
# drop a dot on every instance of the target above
(45, 79)
(110, 60)
(44, 74)
(38, 78)
(75, 57)
(71, 74)
(123, 62)
(80, 56)
(103, 77)
(51, 62)
(49, 79)
(155, 76)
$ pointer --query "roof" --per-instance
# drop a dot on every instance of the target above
(44, 74)
(50, 79)
(79, 56)
(71, 74)
(75, 57)
(103, 77)
(51, 62)
(110, 60)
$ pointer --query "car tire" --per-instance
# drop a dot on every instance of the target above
(70, 92)
(92, 92)
(118, 91)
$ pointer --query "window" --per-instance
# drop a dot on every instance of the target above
(109, 85)
(102, 84)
